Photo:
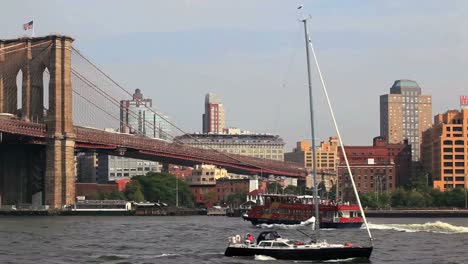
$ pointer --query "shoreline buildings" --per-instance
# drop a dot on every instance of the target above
(254, 145)
(326, 154)
(445, 150)
(136, 117)
(326, 160)
(404, 114)
(231, 140)
(378, 168)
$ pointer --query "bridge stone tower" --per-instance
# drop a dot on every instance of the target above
(33, 57)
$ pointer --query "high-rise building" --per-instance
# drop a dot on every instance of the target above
(213, 118)
(138, 117)
(404, 114)
(445, 150)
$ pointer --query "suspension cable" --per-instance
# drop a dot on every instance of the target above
(175, 126)
(111, 98)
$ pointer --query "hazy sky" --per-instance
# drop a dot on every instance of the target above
(251, 53)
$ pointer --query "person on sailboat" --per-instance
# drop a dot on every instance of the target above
(250, 239)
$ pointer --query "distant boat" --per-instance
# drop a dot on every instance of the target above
(272, 245)
(216, 211)
(294, 209)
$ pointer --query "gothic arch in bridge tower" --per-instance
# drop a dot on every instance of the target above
(34, 58)
(19, 91)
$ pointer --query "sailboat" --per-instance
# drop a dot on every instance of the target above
(271, 244)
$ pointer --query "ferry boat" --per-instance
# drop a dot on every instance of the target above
(294, 209)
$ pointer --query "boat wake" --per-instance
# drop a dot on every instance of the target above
(166, 255)
(262, 257)
(340, 260)
(310, 221)
(430, 227)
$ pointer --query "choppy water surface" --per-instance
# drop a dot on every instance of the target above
(203, 239)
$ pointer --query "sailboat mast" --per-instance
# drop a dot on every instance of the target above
(341, 142)
(311, 101)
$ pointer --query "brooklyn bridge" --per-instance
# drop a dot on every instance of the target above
(55, 102)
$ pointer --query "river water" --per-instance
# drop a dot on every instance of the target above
(203, 239)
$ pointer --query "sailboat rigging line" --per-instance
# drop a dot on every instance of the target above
(307, 235)
(312, 130)
(340, 139)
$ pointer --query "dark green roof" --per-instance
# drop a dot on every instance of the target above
(405, 84)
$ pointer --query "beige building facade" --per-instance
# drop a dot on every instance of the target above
(404, 114)
(326, 154)
(254, 145)
(206, 174)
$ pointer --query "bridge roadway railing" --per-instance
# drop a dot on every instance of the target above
(114, 140)
(94, 136)
(23, 128)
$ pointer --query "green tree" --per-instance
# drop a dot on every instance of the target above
(368, 200)
(163, 187)
(415, 199)
(236, 199)
(437, 198)
(133, 191)
(399, 197)
(455, 197)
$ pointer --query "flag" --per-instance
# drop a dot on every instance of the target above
(28, 25)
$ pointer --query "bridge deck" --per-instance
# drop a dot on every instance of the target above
(88, 138)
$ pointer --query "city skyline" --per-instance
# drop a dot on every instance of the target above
(256, 64)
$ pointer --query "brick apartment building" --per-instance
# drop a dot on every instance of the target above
(378, 168)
